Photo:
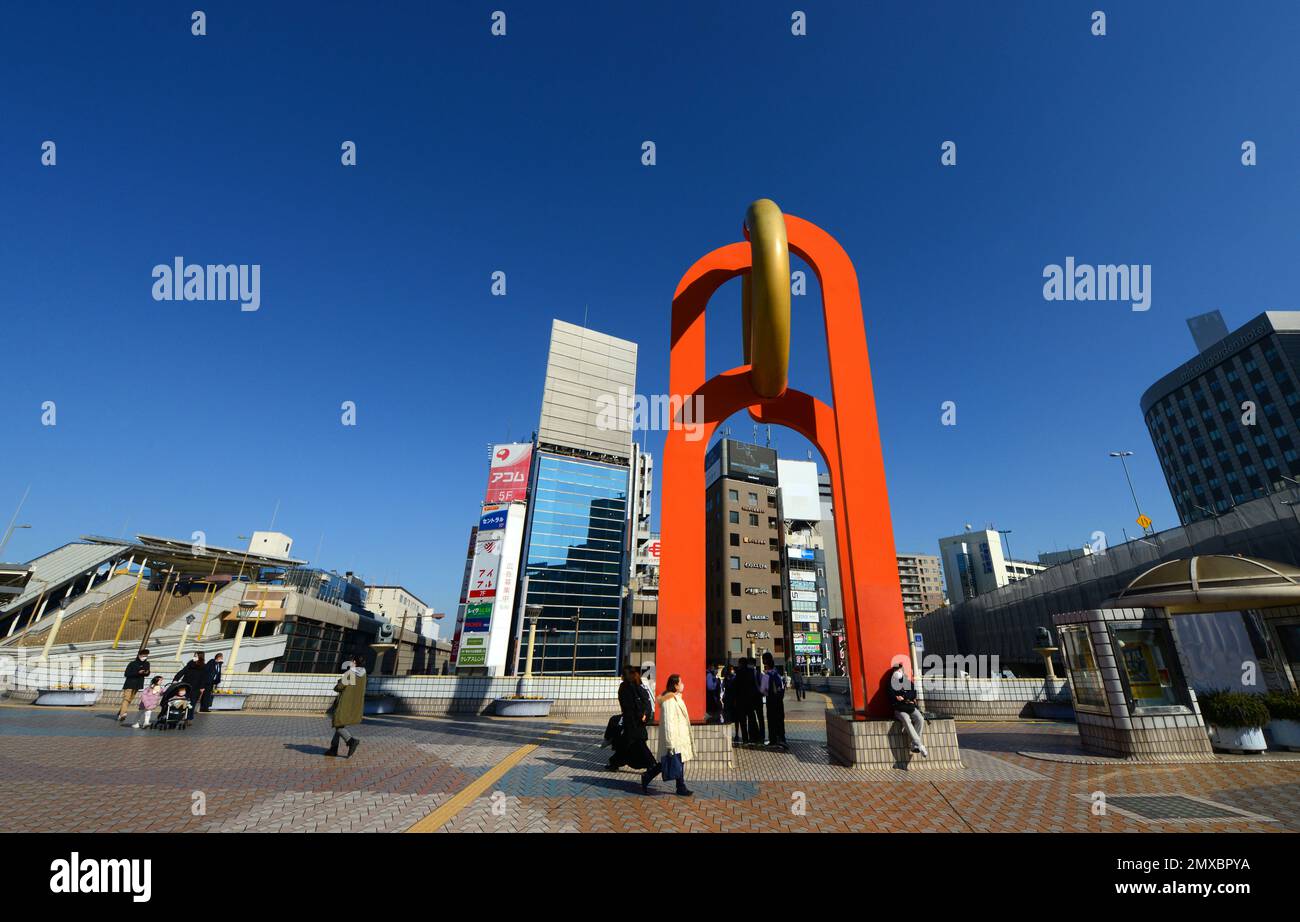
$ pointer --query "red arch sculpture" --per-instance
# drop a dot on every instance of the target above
(847, 435)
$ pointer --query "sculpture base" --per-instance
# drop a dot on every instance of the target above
(868, 743)
(711, 742)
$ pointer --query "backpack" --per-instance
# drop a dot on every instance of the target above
(775, 685)
(613, 729)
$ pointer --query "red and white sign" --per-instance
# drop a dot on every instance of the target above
(508, 474)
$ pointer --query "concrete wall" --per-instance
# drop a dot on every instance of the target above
(422, 695)
(974, 699)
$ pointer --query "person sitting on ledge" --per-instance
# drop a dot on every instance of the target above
(905, 710)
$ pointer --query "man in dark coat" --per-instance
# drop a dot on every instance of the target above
(772, 684)
(749, 704)
(212, 678)
(634, 704)
(136, 672)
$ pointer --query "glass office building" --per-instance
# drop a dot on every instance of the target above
(1226, 424)
(576, 560)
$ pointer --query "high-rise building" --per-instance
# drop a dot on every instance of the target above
(834, 599)
(578, 533)
(745, 610)
(921, 578)
(973, 563)
(804, 564)
(1224, 424)
(643, 600)
(464, 593)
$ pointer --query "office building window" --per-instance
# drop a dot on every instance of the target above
(735, 616)
(734, 562)
(733, 517)
(575, 559)
(735, 588)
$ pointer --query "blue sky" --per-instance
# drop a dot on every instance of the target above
(522, 154)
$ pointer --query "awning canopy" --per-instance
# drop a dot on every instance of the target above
(1212, 582)
(194, 560)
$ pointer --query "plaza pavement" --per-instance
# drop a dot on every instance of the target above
(75, 770)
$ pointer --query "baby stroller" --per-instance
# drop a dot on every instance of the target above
(175, 712)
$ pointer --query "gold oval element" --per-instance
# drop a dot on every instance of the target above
(765, 299)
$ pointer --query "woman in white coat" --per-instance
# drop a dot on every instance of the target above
(674, 732)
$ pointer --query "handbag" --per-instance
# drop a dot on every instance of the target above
(673, 769)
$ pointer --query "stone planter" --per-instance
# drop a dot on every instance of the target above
(67, 697)
(523, 707)
(380, 704)
(1286, 733)
(1050, 710)
(228, 702)
(1238, 739)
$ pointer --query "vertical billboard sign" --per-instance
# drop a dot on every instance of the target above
(508, 473)
(482, 589)
(491, 594)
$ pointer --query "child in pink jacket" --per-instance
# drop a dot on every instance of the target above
(149, 699)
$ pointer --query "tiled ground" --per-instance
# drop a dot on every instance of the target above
(76, 770)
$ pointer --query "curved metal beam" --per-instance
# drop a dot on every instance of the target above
(765, 299)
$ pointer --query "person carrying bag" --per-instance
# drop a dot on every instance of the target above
(674, 749)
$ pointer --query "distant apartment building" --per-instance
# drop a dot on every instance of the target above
(921, 577)
(973, 563)
(1056, 558)
(745, 600)
(1226, 423)
(403, 609)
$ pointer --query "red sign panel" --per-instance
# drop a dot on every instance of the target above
(508, 475)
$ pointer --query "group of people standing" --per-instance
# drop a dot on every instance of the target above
(742, 695)
(196, 682)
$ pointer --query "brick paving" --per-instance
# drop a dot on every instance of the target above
(73, 770)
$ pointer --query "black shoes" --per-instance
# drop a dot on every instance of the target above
(352, 746)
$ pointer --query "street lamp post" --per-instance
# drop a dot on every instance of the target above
(546, 633)
(1122, 455)
(1004, 532)
(9, 533)
(577, 624)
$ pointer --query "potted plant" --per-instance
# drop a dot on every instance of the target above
(227, 699)
(1236, 720)
(1284, 719)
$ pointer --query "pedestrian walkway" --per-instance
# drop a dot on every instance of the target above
(76, 770)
